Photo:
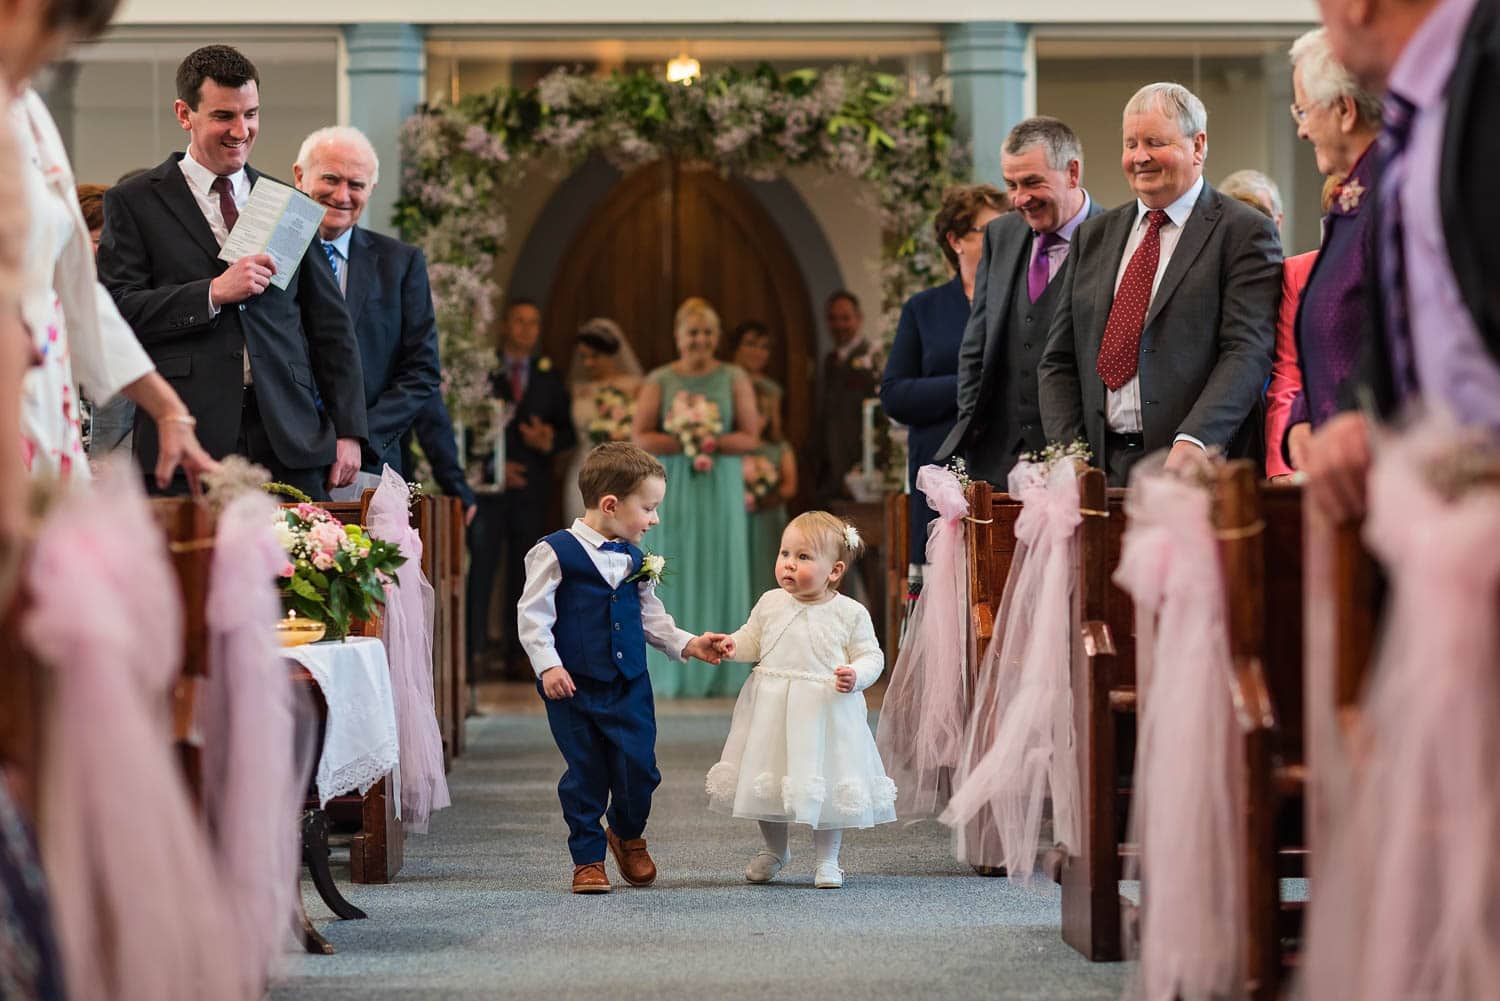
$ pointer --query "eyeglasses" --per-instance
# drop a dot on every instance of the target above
(976, 229)
(1299, 114)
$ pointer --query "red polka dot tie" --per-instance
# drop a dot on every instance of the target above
(1120, 350)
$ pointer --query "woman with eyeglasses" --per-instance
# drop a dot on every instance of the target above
(1342, 121)
(920, 385)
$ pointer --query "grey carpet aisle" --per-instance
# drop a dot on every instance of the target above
(482, 909)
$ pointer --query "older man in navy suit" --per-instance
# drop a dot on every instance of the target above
(384, 283)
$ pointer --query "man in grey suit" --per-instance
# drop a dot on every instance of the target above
(1164, 331)
(1015, 297)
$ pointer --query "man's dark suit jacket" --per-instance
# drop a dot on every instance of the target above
(546, 397)
(982, 419)
(390, 305)
(157, 257)
(1467, 202)
(838, 438)
(1205, 350)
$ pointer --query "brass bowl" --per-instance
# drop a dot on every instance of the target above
(293, 631)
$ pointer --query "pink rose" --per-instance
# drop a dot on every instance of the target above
(323, 561)
(326, 535)
(702, 463)
(709, 444)
(311, 512)
(288, 570)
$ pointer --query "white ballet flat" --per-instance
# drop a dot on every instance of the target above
(828, 876)
(764, 866)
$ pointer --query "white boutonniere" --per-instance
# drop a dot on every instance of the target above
(653, 568)
(544, 364)
(1350, 194)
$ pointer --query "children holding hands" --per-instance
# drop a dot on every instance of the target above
(588, 609)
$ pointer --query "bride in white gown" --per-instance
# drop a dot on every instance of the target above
(603, 381)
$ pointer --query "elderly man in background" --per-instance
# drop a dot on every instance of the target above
(1015, 295)
(1438, 333)
(385, 288)
(1179, 357)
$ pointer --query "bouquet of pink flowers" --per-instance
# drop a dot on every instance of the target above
(695, 421)
(762, 478)
(334, 573)
(614, 410)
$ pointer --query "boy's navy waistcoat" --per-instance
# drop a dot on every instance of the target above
(598, 631)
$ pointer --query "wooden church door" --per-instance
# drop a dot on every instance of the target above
(672, 230)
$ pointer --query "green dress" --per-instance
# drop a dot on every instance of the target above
(705, 536)
(766, 526)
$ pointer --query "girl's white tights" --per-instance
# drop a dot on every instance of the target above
(826, 844)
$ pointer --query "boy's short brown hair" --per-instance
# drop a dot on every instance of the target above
(616, 467)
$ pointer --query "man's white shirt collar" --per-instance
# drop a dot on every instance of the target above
(203, 178)
(341, 242)
(1179, 210)
(848, 350)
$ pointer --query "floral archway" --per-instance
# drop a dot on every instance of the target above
(462, 160)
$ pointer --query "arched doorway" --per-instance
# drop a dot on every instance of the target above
(671, 230)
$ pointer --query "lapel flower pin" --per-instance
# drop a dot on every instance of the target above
(1350, 194)
(653, 568)
(544, 364)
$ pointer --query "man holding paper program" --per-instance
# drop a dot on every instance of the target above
(250, 345)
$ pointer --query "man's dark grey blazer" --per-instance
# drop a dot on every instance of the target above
(390, 304)
(983, 434)
(157, 256)
(1206, 346)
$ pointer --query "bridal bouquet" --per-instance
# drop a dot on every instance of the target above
(695, 421)
(334, 573)
(614, 410)
(762, 478)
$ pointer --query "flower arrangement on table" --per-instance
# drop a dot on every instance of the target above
(614, 411)
(696, 422)
(762, 481)
(334, 573)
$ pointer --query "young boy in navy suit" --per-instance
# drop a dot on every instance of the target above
(587, 611)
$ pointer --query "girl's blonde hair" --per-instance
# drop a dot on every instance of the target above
(830, 535)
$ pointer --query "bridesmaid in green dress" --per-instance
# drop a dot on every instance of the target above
(704, 531)
(774, 459)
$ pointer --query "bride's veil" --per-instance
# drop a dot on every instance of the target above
(601, 328)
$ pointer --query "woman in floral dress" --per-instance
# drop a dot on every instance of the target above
(698, 415)
(603, 381)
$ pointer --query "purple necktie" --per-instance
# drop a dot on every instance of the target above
(1040, 271)
(1397, 118)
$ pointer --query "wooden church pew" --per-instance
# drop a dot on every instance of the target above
(992, 546)
(1104, 725)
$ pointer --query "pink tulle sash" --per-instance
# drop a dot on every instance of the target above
(254, 772)
(1186, 810)
(1404, 904)
(407, 634)
(1020, 749)
(921, 726)
(135, 896)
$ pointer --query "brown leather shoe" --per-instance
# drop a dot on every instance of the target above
(633, 859)
(590, 878)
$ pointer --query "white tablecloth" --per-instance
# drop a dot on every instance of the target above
(359, 743)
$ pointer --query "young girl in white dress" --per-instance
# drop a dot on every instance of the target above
(800, 748)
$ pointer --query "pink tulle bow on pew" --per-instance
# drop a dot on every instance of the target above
(407, 632)
(1404, 902)
(1019, 751)
(921, 727)
(1185, 815)
(136, 899)
(254, 771)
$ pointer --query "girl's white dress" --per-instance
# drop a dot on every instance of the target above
(798, 749)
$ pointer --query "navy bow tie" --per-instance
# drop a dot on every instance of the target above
(616, 547)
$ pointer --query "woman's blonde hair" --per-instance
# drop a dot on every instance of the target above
(831, 536)
(695, 306)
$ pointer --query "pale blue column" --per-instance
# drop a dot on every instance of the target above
(987, 64)
(385, 74)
